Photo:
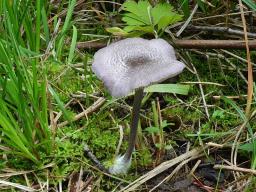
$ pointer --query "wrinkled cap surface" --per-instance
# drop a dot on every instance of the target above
(135, 62)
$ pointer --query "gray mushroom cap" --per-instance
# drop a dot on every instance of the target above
(135, 62)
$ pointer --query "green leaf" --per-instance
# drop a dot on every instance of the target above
(146, 29)
(185, 7)
(236, 107)
(165, 124)
(130, 28)
(167, 20)
(250, 4)
(117, 31)
(163, 22)
(143, 18)
(246, 147)
(201, 4)
(130, 31)
(218, 114)
(136, 33)
(152, 129)
(139, 11)
(73, 45)
(65, 27)
(161, 10)
(163, 16)
(59, 102)
(168, 147)
(168, 88)
(132, 19)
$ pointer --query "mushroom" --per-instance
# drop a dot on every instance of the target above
(130, 65)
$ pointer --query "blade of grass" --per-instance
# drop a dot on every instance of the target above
(45, 26)
(168, 88)
(250, 4)
(66, 26)
(73, 45)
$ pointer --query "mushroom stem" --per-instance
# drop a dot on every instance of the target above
(134, 122)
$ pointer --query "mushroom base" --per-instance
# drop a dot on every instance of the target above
(120, 166)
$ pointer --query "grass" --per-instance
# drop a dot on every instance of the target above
(45, 80)
(23, 98)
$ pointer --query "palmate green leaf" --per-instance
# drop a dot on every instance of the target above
(139, 11)
(167, 20)
(142, 18)
(136, 33)
(160, 10)
(146, 29)
(163, 15)
(131, 19)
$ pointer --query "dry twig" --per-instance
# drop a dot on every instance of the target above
(194, 153)
(235, 168)
(91, 109)
(186, 44)
(221, 29)
(250, 72)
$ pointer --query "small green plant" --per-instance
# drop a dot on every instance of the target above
(25, 92)
(142, 18)
(185, 5)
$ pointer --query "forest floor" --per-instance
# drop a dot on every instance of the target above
(207, 142)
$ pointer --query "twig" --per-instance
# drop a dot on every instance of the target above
(221, 15)
(162, 167)
(94, 159)
(15, 173)
(221, 29)
(217, 97)
(187, 21)
(121, 132)
(167, 178)
(201, 90)
(90, 45)
(249, 66)
(22, 187)
(216, 145)
(203, 83)
(87, 183)
(91, 109)
(186, 44)
(235, 168)
(235, 143)
(79, 182)
(214, 44)
(199, 184)
(236, 56)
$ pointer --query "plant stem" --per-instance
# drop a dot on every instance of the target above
(134, 122)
